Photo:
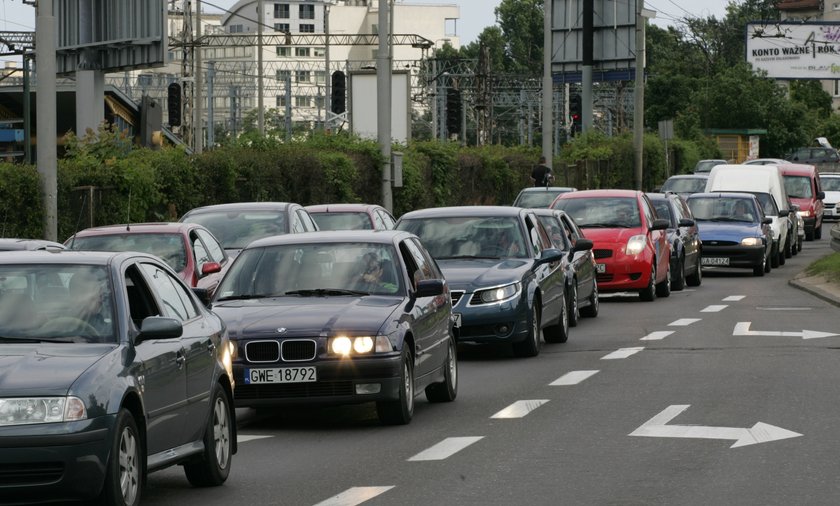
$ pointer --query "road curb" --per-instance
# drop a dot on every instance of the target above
(818, 287)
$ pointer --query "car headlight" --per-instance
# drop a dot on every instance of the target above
(359, 345)
(636, 245)
(751, 241)
(498, 294)
(804, 214)
(29, 410)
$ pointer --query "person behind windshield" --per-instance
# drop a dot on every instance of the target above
(371, 279)
(740, 212)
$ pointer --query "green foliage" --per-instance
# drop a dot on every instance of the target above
(521, 22)
(811, 95)
(19, 193)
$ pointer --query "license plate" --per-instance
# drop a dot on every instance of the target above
(715, 261)
(600, 268)
(281, 375)
(456, 317)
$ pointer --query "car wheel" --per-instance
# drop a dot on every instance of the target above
(530, 347)
(696, 278)
(759, 269)
(560, 333)
(213, 465)
(767, 264)
(798, 244)
(774, 256)
(782, 258)
(648, 293)
(663, 289)
(573, 310)
(591, 311)
(790, 248)
(400, 411)
(678, 280)
(124, 471)
(447, 390)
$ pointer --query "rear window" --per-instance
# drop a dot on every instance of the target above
(684, 185)
(169, 247)
(236, 229)
(534, 199)
(342, 221)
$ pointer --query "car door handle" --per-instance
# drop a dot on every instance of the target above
(211, 348)
(180, 360)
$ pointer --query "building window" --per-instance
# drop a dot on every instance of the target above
(302, 76)
(319, 52)
(282, 75)
(302, 51)
(306, 11)
(320, 77)
(374, 29)
(281, 27)
(281, 11)
(284, 51)
(836, 88)
(319, 101)
(301, 101)
(280, 101)
(236, 29)
(307, 28)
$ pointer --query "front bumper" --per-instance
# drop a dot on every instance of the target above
(624, 272)
(54, 462)
(739, 256)
(505, 322)
(337, 383)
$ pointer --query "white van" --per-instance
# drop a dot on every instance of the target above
(760, 179)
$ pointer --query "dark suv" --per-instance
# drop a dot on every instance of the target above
(820, 156)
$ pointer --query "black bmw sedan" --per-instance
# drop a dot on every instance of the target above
(339, 317)
(110, 368)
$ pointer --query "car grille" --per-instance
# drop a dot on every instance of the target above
(602, 253)
(31, 474)
(829, 206)
(262, 351)
(719, 243)
(297, 350)
(294, 390)
(456, 296)
(604, 278)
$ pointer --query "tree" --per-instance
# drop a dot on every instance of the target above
(521, 22)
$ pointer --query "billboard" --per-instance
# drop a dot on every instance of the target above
(795, 50)
(363, 105)
(614, 38)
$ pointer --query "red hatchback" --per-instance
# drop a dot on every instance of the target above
(630, 243)
(189, 248)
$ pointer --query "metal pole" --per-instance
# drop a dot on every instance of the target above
(27, 112)
(327, 73)
(588, 62)
(434, 101)
(198, 112)
(260, 70)
(547, 85)
(45, 44)
(383, 110)
(463, 135)
(639, 94)
(288, 108)
(211, 107)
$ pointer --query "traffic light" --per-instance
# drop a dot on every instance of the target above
(576, 113)
(453, 111)
(173, 104)
(338, 92)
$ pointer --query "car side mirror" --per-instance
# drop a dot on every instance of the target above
(659, 224)
(784, 213)
(767, 221)
(820, 195)
(549, 255)
(203, 295)
(686, 222)
(159, 327)
(582, 245)
(210, 268)
(429, 288)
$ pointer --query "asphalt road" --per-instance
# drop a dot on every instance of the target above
(662, 403)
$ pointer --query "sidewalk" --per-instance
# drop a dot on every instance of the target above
(817, 286)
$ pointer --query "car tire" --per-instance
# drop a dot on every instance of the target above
(798, 244)
(663, 289)
(124, 470)
(696, 278)
(400, 411)
(559, 333)
(774, 256)
(447, 390)
(591, 311)
(530, 347)
(768, 265)
(212, 467)
(790, 248)
(648, 293)
(572, 307)
(678, 282)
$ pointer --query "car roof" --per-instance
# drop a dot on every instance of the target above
(241, 206)
(138, 228)
(799, 169)
(66, 256)
(532, 189)
(448, 212)
(16, 244)
(331, 236)
(341, 208)
(696, 175)
(600, 193)
(547, 211)
(663, 196)
(722, 195)
(830, 174)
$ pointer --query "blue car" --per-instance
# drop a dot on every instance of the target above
(506, 280)
(733, 229)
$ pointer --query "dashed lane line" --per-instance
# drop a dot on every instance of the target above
(354, 496)
(657, 336)
(244, 438)
(622, 353)
(734, 298)
(446, 448)
(520, 408)
(714, 308)
(573, 378)
(683, 322)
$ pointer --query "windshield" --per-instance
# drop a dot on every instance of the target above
(707, 165)
(534, 199)
(236, 229)
(685, 185)
(723, 209)
(798, 187)
(313, 270)
(602, 212)
(62, 303)
(169, 247)
(342, 221)
(469, 236)
(830, 184)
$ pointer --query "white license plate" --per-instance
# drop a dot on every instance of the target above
(456, 317)
(280, 375)
(600, 268)
(715, 261)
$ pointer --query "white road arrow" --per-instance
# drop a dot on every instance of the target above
(743, 329)
(759, 433)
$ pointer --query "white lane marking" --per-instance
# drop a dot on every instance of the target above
(683, 322)
(520, 408)
(573, 378)
(743, 329)
(714, 308)
(622, 353)
(244, 438)
(657, 336)
(759, 433)
(760, 308)
(734, 298)
(446, 448)
(354, 496)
